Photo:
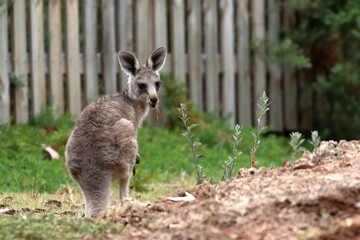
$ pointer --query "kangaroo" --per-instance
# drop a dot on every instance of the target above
(103, 145)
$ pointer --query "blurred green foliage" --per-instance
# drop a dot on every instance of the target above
(329, 31)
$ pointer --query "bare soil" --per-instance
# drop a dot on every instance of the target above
(318, 198)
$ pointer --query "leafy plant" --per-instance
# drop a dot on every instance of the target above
(199, 169)
(229, 164)
(296, 141)
(263, 107)
(315, 140)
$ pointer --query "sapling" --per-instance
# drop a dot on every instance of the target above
(315, 140)
(295, 141)
(263, 107)
(229, 164)
(199, 170)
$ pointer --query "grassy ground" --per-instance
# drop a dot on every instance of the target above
(29, 178)
(59, 215)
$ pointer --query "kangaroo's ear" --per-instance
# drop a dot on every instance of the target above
(128, 62)
(156, 59)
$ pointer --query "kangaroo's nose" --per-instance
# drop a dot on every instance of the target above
(153, 100)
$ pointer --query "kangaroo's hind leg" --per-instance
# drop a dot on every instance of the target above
(96, 191)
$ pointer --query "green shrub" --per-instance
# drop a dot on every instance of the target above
(329, 32)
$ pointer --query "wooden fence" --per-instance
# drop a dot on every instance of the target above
(63, 54)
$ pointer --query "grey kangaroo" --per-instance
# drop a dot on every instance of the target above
(103, 146)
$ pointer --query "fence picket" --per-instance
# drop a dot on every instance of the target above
(37, 57)
(4, 71)
(178, 40)
(91, 72)
(305, 100)
(161, 28)
(194, 52)
(211, 50)
(144, 41)
(227, 50)
(275, 90)
(72, 57)
(55, 71)
(258, 34)
(290, 83)
(243, 63)
(125, 36)
(108, 46)
(306, 94)
(19, 55)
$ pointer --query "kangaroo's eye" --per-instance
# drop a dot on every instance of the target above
(157, 85)
(142, 86)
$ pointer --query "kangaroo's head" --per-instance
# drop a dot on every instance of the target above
(144, 82)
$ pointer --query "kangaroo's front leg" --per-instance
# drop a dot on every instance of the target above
(137, 158)
(124, 188)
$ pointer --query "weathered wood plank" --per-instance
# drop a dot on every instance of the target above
(228, 65)
(109, 56)
(275, 88)
(258, 34)
(245, 109)
(290, 83)
(144, 42)
(211, 49)
(4, 70)
(306, 93)
(19, 54)
(161, 29)
(37, 57)
(72, 57)
(194, 52)
(91, 76)
(55, 56)
(178, 63)
(125, 32)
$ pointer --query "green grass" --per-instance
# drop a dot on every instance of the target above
(47, 221)
(51, 226)
(165, 154)
(24, 165)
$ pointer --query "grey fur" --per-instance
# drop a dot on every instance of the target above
(103, 145)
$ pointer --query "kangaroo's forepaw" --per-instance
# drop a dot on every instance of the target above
(134, 171)
(137, 159)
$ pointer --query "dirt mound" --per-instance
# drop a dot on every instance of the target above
(318, 199)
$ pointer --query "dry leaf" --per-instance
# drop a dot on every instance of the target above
(188, 197)
(53, 202)
(53, 154)
(8, 211)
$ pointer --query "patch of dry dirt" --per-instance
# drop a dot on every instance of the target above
(318, 199)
